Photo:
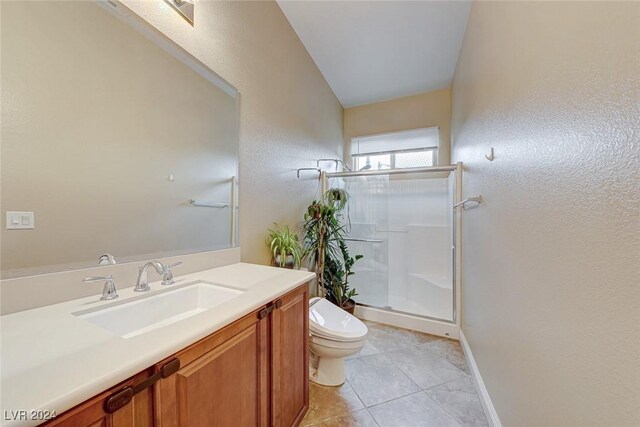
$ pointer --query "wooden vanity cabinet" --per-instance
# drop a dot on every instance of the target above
(138, 413)
(253, 372)
(221, 379)
(290, 366)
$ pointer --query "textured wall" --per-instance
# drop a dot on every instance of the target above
(288, 114)
(410, 112)
(552, 260)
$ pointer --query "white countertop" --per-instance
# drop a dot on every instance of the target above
(52, 360)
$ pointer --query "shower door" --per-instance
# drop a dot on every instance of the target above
(421, 244)
(403, 223)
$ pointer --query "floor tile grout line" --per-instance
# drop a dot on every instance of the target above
(429, 347)
(390, 338)
(346, 413)
(443, 408)
(395, 398)
(356, 393)
(336, 416)
(402, 372)
(411, 394)
(454, 392)
(444, 359)
(378, 351)
(372, 417)
(441, 384)
(436, 355)
(392, 360)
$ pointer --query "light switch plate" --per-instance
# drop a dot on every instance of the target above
(20, 220)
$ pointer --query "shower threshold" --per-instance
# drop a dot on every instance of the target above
(401, 319)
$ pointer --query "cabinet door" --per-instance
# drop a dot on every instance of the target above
(290, 358)
(221, 380)
(137, 413)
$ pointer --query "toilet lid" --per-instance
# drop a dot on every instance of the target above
(329, 321)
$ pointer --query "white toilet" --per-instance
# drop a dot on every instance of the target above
(334, 335)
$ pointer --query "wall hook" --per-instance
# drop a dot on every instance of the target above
(463, 203)
(490, 157)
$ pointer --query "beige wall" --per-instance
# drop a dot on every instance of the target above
(552, 259)
(96, 118)
(289, 117)
(410, 112)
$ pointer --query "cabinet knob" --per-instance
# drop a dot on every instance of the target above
(122, 397)
(265, 311)
(118, 400)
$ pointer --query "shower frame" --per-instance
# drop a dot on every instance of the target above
(402, 319)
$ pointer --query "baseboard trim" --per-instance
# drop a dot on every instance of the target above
(485, 399)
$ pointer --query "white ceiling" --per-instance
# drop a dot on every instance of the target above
(371, 51)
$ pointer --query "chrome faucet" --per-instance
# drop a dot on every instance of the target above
(109, 290)
(167, 274)
(142, 284)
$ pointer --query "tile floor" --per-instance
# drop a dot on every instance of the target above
(400, 378)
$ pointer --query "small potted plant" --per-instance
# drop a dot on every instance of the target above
(336, 279)
(337, 197)
(284, 247)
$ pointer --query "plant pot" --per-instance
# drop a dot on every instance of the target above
(349, 306)
(289, 262)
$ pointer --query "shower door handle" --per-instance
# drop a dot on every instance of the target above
(349, 239)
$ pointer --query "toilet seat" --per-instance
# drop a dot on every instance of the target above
(328, 321)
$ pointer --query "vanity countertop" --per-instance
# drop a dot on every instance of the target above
(52, 360)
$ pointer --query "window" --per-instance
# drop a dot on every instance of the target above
(410, 149)
(417, 158)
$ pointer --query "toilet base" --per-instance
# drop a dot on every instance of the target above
(329, 372)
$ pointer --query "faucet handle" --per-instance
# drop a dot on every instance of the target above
(167, 274)
(109, 290)
(97, 278)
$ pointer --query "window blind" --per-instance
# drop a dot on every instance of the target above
(407, 140)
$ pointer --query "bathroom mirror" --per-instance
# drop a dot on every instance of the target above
(115, 139)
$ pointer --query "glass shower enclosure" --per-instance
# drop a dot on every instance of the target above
(404, 223)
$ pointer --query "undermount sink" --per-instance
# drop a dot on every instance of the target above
(146, 313)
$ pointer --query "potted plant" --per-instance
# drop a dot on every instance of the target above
(336, 279)
(337, 197)
(284, 247)
(326, 250)
(322, 232)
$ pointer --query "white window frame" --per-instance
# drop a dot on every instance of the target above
(392, 154)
